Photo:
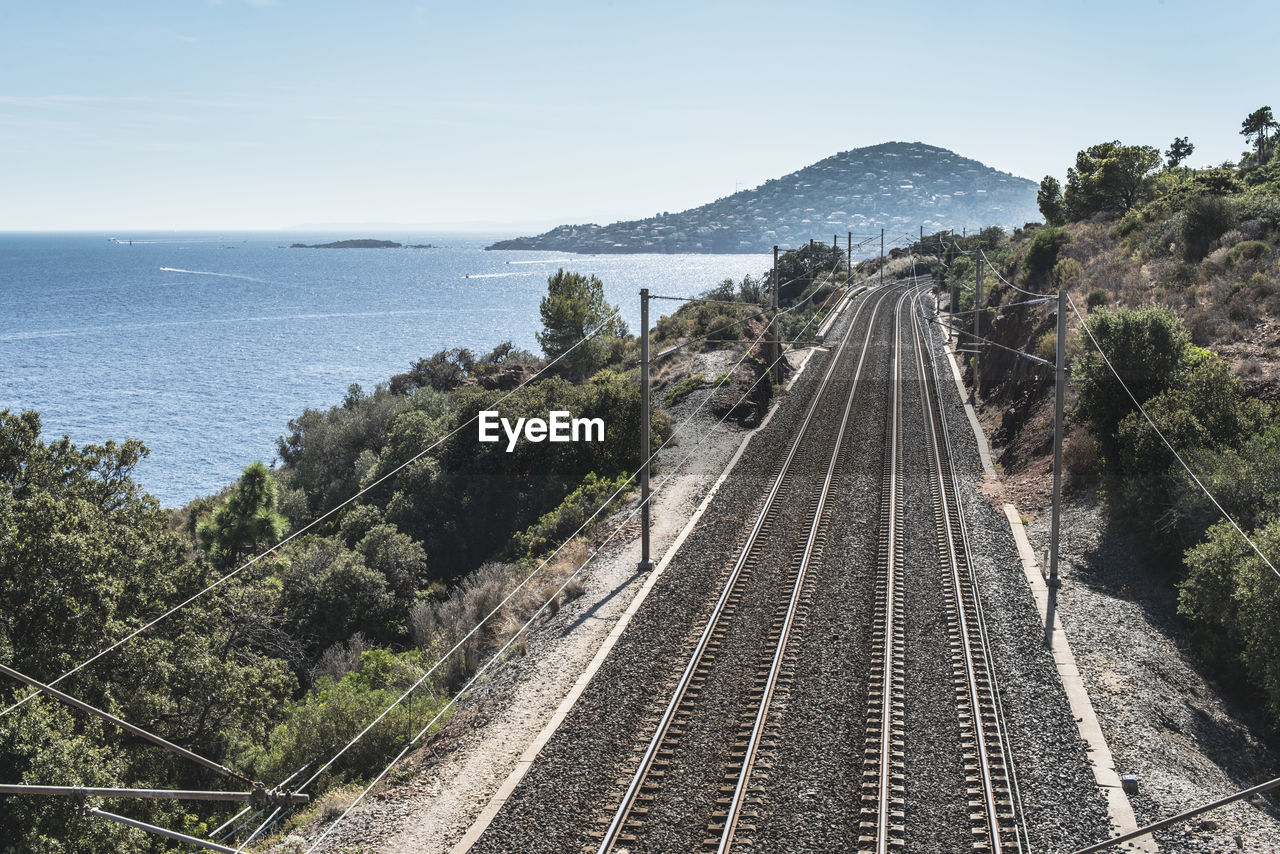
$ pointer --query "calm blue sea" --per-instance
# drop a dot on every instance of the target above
(205, 345)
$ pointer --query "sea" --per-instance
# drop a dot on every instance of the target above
(205, 345)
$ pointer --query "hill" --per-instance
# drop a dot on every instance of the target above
(895, 186)
(1174, 274)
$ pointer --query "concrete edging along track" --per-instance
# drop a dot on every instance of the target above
(1100, 758)
(530, 753)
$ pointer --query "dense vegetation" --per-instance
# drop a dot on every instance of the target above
(1178, 272)
(294, 652)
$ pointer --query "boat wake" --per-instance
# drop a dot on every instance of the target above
(210, 273)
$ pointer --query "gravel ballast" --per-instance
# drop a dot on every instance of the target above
(574, 781)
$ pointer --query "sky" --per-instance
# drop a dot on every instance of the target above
(262, 114)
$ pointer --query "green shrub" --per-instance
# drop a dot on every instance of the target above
(1247, 250)
(1097, 298)
(1042, 254)
(1065, 272)
(1147, 346)
(1047, 346)
(1259, 206)
(558, 525)
(1207, 218)
(334, 711)
(684, 388)
(723, 327)
(1234, 600)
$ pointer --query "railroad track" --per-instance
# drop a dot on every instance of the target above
(990, 783)
(794, 485)
(771, 583)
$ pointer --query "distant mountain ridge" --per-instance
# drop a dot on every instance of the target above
(897, 186)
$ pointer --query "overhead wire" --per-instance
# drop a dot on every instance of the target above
(497, 655)
(746, 352)
(461, 642)
(1172, 450)
(256, 558)
(1006, 281)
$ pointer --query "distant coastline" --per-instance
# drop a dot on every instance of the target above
(362, 243)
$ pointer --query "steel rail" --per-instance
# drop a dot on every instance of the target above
(738, 799)
(621, 815)
(1020, 825)
(957, 556)
(888, 651)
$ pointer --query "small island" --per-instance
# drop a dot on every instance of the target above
(362, 244)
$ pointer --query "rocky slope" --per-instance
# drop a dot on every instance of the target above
(897, 186)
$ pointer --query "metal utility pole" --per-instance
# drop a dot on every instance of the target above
(848, 258)
(645, 452)
(776, 349)
(882, 256)
(1060, 387)
(977, 326)
(950, 256)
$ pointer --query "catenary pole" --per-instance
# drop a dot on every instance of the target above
(882, 256)
(977, 327)
(776, 349)
(1060, 387)
(645, 453)
(848, 258)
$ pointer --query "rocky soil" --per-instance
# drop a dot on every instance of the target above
(1164, 720)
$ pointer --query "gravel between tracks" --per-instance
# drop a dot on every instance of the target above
(574, 778)
(570, 786)
(1061, 804)
(573, 781)
(453, 778)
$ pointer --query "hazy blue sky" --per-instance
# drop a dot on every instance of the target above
(239, 115)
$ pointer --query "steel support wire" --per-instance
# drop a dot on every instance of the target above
(1006, 281)
(524, 628)
(126, 726)
(159, 831)
(1160, 433)
(706, 335)
(256, 558)
(1036, 359)
(689, 456)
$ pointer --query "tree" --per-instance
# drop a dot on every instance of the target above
(1179, 151)
(84, 553)
(1049, 199)
(574, 308)
(85, 557)
(247, 520)
(1109, 178)
(1257, 127)
(799, 268)
(1148, 346)
(444, 370)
